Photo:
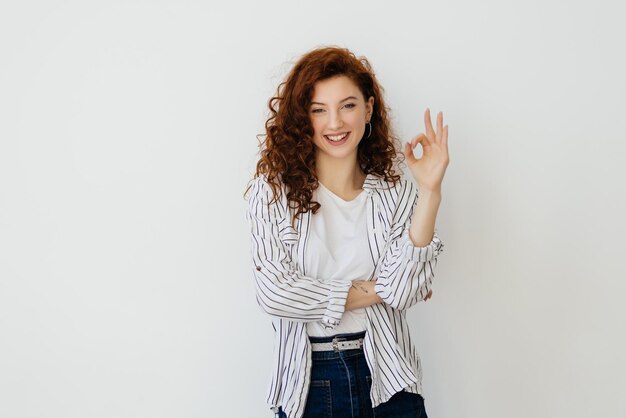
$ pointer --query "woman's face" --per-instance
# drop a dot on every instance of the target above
(338, 114)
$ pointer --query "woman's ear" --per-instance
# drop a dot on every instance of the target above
(370, 107)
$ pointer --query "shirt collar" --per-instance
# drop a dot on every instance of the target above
(374, 182)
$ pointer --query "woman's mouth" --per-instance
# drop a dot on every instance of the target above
(337, 139)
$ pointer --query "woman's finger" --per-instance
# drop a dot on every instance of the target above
(408, 152)
(430, 132)
(419, 139)
(410, 146)
(422, 138)
(439, 135)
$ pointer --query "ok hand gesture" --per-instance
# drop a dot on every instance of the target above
(431, 167)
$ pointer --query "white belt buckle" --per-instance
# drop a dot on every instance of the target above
(336, 344)
(340, 344)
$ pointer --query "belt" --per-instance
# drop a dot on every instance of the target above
(338, 344)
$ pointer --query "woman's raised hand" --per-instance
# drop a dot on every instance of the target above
(431, 167)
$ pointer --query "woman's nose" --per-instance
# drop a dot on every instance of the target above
(335, 120)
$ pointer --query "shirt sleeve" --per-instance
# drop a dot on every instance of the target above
(407, 271)
(281, 290)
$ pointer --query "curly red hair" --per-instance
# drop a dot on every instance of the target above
(288, 151)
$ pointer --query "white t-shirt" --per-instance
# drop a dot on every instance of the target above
(338, 249)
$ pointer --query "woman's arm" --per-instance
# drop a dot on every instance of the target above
(362, 294)
(281, 289)
(408, 270)
(424, 216)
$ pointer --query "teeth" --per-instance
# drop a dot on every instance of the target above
(336, 137)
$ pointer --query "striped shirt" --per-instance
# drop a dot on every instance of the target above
(404, 275)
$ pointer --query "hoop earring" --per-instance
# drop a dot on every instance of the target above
(370, 132)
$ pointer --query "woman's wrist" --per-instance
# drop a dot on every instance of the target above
(362, 294)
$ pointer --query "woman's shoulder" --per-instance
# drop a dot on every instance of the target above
(261, 189)
(403, 186)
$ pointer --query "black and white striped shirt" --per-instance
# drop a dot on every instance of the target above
(404, 275)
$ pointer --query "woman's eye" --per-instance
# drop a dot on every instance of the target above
(320, 110)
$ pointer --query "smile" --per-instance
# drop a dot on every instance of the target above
(336, 138)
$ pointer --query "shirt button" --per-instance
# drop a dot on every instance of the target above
(258, 268)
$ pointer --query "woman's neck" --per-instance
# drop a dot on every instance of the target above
(343, 179)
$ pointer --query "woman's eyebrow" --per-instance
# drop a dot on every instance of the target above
(347, 98)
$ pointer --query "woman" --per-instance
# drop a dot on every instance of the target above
(341, 245)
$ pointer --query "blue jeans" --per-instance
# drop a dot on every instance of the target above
(340, 388)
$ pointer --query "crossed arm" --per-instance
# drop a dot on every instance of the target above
(283, 291)
(362, 293)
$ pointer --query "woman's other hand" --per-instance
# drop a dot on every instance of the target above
(429, 170)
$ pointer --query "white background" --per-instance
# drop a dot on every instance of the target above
(127, 134)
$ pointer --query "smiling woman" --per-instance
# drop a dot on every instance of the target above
(338, 120)
(341, 245)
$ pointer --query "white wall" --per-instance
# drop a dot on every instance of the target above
(127, 137)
